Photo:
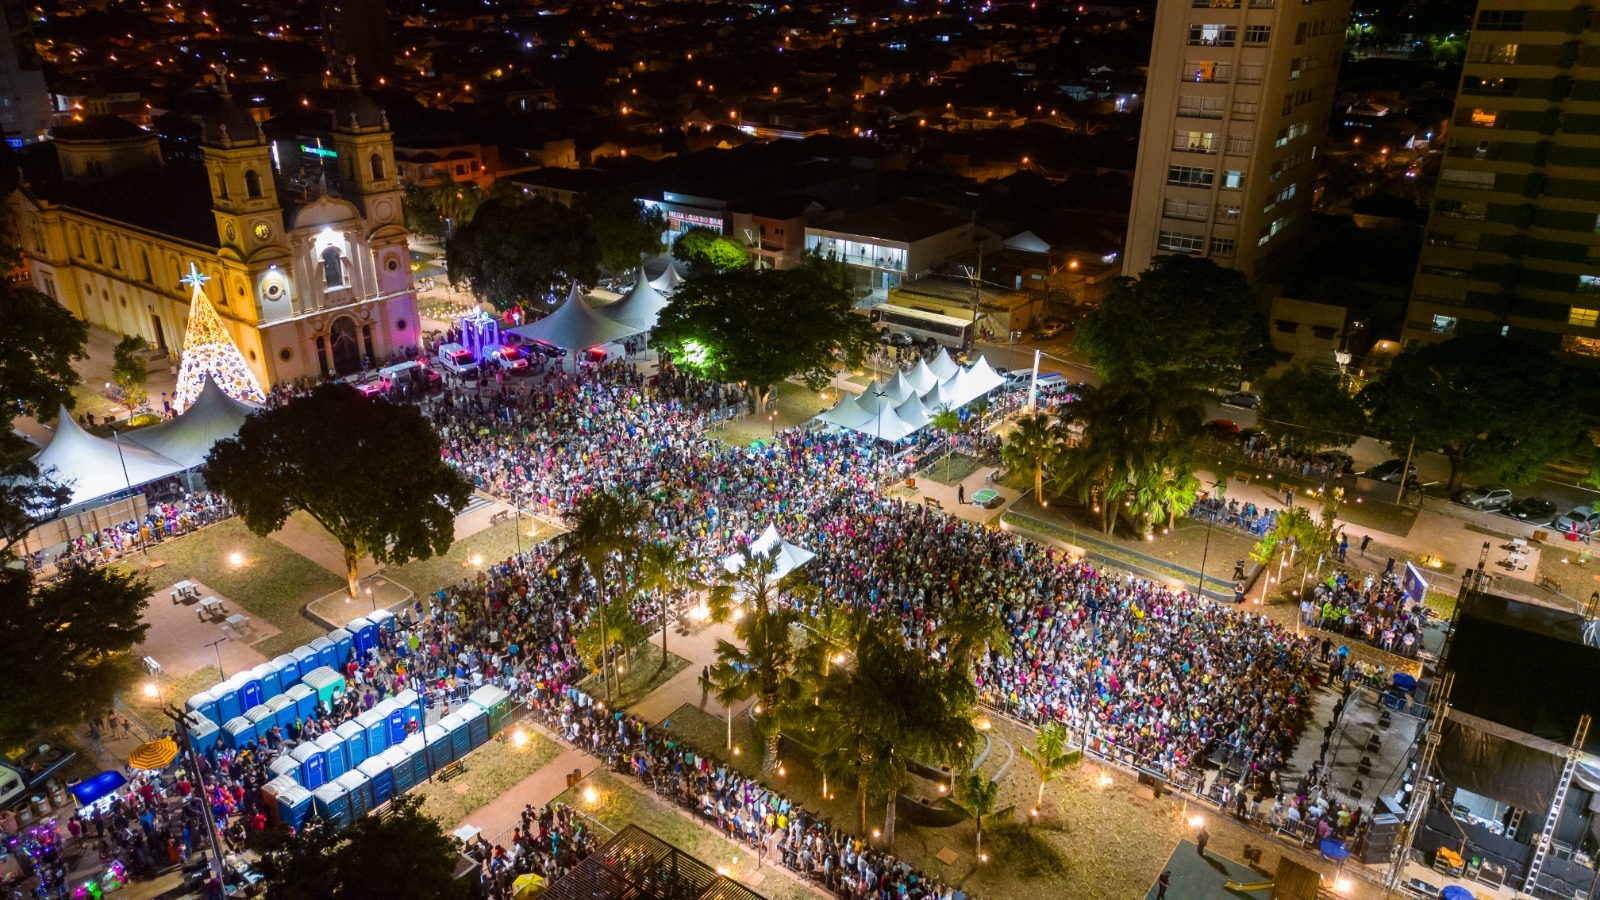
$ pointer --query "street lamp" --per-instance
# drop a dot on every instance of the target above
(1205, 553)
(1342, 357)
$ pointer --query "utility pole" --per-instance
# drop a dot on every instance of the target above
(1205, 553)
(181, 722)
(1405, 471)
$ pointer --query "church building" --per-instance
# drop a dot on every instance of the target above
(313, 281)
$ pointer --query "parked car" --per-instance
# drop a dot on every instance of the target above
(1245, 399)
(1488, 496)
(895, 338)
(1582, 520)
(1051, 330)
(1389, 470)
(458, 359)
(1532, 509)
(1222, 428)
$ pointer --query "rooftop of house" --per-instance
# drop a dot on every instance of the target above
(904, 221)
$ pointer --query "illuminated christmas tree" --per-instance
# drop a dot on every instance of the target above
(208, 350)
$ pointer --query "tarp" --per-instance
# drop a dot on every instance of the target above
(789, 556)
(188, 438)
(93, 466)
(922, 378)
(885, 425)
(639, 308)
(1498, 762)
(575, 326)
(942, 366)
(912, 412)
(847, 413)
(98, 787)
(669, 280)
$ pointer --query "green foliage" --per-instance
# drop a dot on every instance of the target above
(707, 251)
(975, 799)
(625, 228)
(401, 854)
(1308, 410)
(368, 471)
(1497, 408)
(127, 365)
(64, 646)
(761, 327)
(28, 497)
(1296, 532)
(38, 346)
(441, 209)
(604, 538)
(1037, 442)
(666, 571)
(1049, 755)
(1183, 323)
(511, 253)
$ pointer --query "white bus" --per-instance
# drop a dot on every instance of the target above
(924, 327)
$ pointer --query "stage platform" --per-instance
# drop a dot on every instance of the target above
(1205, 878)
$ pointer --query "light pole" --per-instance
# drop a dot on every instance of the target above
(180, 722)
(1205, 552)
(1342, 357)
(217, 646)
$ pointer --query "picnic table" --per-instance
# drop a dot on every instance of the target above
(984, 496)
(238, 621)
(183, 592)
(210, 608)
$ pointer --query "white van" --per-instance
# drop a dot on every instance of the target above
(458, 359)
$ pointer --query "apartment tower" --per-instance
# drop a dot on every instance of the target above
(1513, 241)
(1237, 103)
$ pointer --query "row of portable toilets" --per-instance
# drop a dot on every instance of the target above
(361, 764)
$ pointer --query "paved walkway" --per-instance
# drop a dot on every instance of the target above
(315, 544)
(181, 641)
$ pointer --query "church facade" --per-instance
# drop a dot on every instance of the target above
(308, 283)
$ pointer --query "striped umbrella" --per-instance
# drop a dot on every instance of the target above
(154, 755)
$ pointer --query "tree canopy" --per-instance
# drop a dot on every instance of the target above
(367, 470)
(1308, 410)
(708, 251)
(1497, 408)
(511, 253)
(402, 854)
(763, 326)
(1184, 322)
(38, 346)
(624, 228)
(64, 646)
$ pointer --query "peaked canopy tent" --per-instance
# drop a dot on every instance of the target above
(976, 380)
(94, 467)
(639, 308)
(847, 413)
(886, 425)
(574, 326)
(921, 378)
(913, 413)
(942, 366)
(670, 279)
(892, 409)
(188, 438)
(789, 556)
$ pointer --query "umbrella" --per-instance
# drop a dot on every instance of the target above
(528, 885)
(154, 755)
(1404, 681)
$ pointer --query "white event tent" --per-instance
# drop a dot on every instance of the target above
(670, 279)
(187, 439)
(639, 308)
(892, 409)
(575, 326)
(788, 558)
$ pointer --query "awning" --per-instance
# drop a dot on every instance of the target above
(99, 787)
(574, 326)
(789, 556)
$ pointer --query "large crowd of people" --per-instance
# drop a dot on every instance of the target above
(186, 512)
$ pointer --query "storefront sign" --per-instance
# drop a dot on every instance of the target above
(688, 220)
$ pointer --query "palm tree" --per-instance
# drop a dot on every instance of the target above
(978, 794)
(764, 608)
(1049, 756)
(832, 636)
(948, 421)
(664, 570)
(1132, 433)
(603, 539)
(891, 707)
(1037, 440)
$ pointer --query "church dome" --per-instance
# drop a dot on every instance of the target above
(355, 111)
(228, 122)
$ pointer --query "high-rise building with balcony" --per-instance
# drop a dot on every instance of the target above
(1236, 105)
(1513, 241)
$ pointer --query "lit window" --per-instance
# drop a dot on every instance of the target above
(1585, 317)
(1589, 284)
(1444, 324)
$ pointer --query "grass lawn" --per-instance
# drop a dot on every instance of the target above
(493, 543)
(272, 584)
(960, 465)
(795, 403)
(641, 674)
(173, 690)
(620, 805)
(491, 771)
(1564, 562)
(1183, 548)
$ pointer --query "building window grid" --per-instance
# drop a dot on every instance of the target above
(1586, 318)
(1221, 246)
(1179, 242)
(1257, 34)
(1213, 35)
(1192, 176)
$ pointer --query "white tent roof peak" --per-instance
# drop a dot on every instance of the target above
(846, 413)
(670, 279)
(921, 378)
(188, 438)
(639, 308)
(942, 366)
(92, 467)
(788, 558)
(575, 326)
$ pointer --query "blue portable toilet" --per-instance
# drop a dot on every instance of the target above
(263, 718)
(294, 806)
(328, 653)
(460, 741)
(377, 728)
(355, 742)
(441, 747)
(238, 732)
(418, 751)
(203, 733)
(411, 705)
(307, 659)
(399, 762)
(383, 619)
(313, 764)
(304, 700)
(332, 746)
(395, 717)
(283, 712)
(267, 675)
(285, 766)
(382, 780)
(359, 788)
(249, 689)
(227, 699)
(477, 724)
(344, 646)
(332, 801)
(364, 633)
(204, 703)
(288, 670)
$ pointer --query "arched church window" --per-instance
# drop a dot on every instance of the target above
(332, 268)
(252, 184)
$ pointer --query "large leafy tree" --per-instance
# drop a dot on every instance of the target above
(1497, 408)
(765, 610)
(511, 253)
(401, 854)
(872, 719)
(604, 538)
(367, 470)
(128, 370)
(1184, 322)
(1308, 410)
(64, 646)
(38, 346)
(625, 228)
(707, 251)
(761, 327)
